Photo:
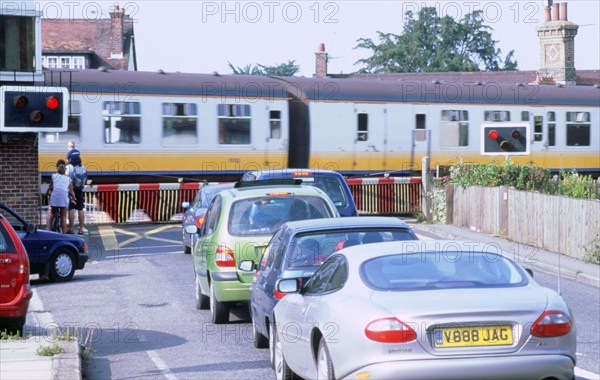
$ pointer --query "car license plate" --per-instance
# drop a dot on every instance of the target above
(473, 336)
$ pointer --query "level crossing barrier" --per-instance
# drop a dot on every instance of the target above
(386, 196)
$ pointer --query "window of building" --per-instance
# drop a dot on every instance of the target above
(234, 123)
(65, 62)
(52, 62)
(78, 63)
(17, 43)
(275, 124)
(551, 129)
(497, 116)
(455, 128)
(363, 127)
(73, 131)
(578, 128)
(179, 123)
(121, 122)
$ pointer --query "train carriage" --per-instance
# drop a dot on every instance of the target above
(142, 126)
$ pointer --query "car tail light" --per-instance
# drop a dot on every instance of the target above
(551, 324)
(200, 221)
(22, 275)
(390, 330)
(224, 257)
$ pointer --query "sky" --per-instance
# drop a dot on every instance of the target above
(204, 36)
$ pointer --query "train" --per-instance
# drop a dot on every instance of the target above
(133, 126)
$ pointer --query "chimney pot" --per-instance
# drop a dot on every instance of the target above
(547, 16)
(555, 13)
(563, 11)
(321, 48)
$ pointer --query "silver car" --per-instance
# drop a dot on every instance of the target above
(422, 310)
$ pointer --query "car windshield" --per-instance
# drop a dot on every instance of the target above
(440, 270)
(311, 249)
(263, 215)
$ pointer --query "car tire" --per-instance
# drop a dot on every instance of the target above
(282, 370)
(202, 301)
(260, 341)
(62, 265)
(219, 311)
(187, 250)
(324, 363)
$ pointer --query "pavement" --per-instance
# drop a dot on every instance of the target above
(19, 358)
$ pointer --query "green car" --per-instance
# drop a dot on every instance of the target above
(238, 225)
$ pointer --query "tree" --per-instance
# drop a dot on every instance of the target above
(282, 70)
(432, 43)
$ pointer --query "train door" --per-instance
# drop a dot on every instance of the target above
(543, 134)
(369, 137)
(421, 138)
(275, 154)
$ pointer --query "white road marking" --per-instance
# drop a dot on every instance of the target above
(582, 373)
(423, 237)
(161, 365)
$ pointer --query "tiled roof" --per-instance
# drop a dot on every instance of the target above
(94, 36)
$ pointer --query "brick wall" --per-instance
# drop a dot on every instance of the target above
(19, 178)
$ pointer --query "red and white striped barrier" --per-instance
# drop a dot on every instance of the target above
(387, 195)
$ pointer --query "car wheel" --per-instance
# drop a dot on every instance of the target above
(282, 371)
(62, 266)
(324, 363)
(219, 311)
(187, 250)
(202, 301)
(272, 333)
(260, 341)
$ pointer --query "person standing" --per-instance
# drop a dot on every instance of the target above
(73, 155)
(59, 189)
(78, 175)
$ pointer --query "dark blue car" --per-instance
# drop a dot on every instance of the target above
(194, 213)
(298, 248)
(51, 255)
(331, 182)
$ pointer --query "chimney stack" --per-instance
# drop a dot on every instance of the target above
(116, 32)
(563, 12)
(555, 16)
(321, 61)
(547, 16)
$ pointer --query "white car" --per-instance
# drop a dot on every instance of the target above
(422, 310)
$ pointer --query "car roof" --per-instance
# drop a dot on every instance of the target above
(274, 172)
(254, 191)
(347, 222)
(355, 255)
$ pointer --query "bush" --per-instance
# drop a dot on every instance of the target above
(521, 177)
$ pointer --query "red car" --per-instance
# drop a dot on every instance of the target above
(15, 291)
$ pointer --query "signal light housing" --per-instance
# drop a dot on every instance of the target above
(34, 109)
(505, 139)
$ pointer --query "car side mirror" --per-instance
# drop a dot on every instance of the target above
(247, 266)
(288, 285)
(31, 228)
(529, 271)
(191, 229)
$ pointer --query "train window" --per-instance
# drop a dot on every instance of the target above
(363, 127)
(524, 115)
(551, 129)
(121, 122)
(179, 123)
(455, 128)
(275, 124)
(419, 134)
(578, 128)
(73, 131)
(497, 116)
(538, 128)
(234, 123)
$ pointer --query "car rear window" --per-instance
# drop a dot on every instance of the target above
(6, 243)
(312, 248)
(441, 270)
(263, 215)
(331, 186)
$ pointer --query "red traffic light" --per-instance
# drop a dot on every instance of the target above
(493, 134)
(52, 102)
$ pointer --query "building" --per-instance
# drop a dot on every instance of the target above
(76, 44)
(557, 61)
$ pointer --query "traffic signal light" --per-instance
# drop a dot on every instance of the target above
(34, 109)
(503, 139)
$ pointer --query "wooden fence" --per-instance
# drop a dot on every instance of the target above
(554, 223)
